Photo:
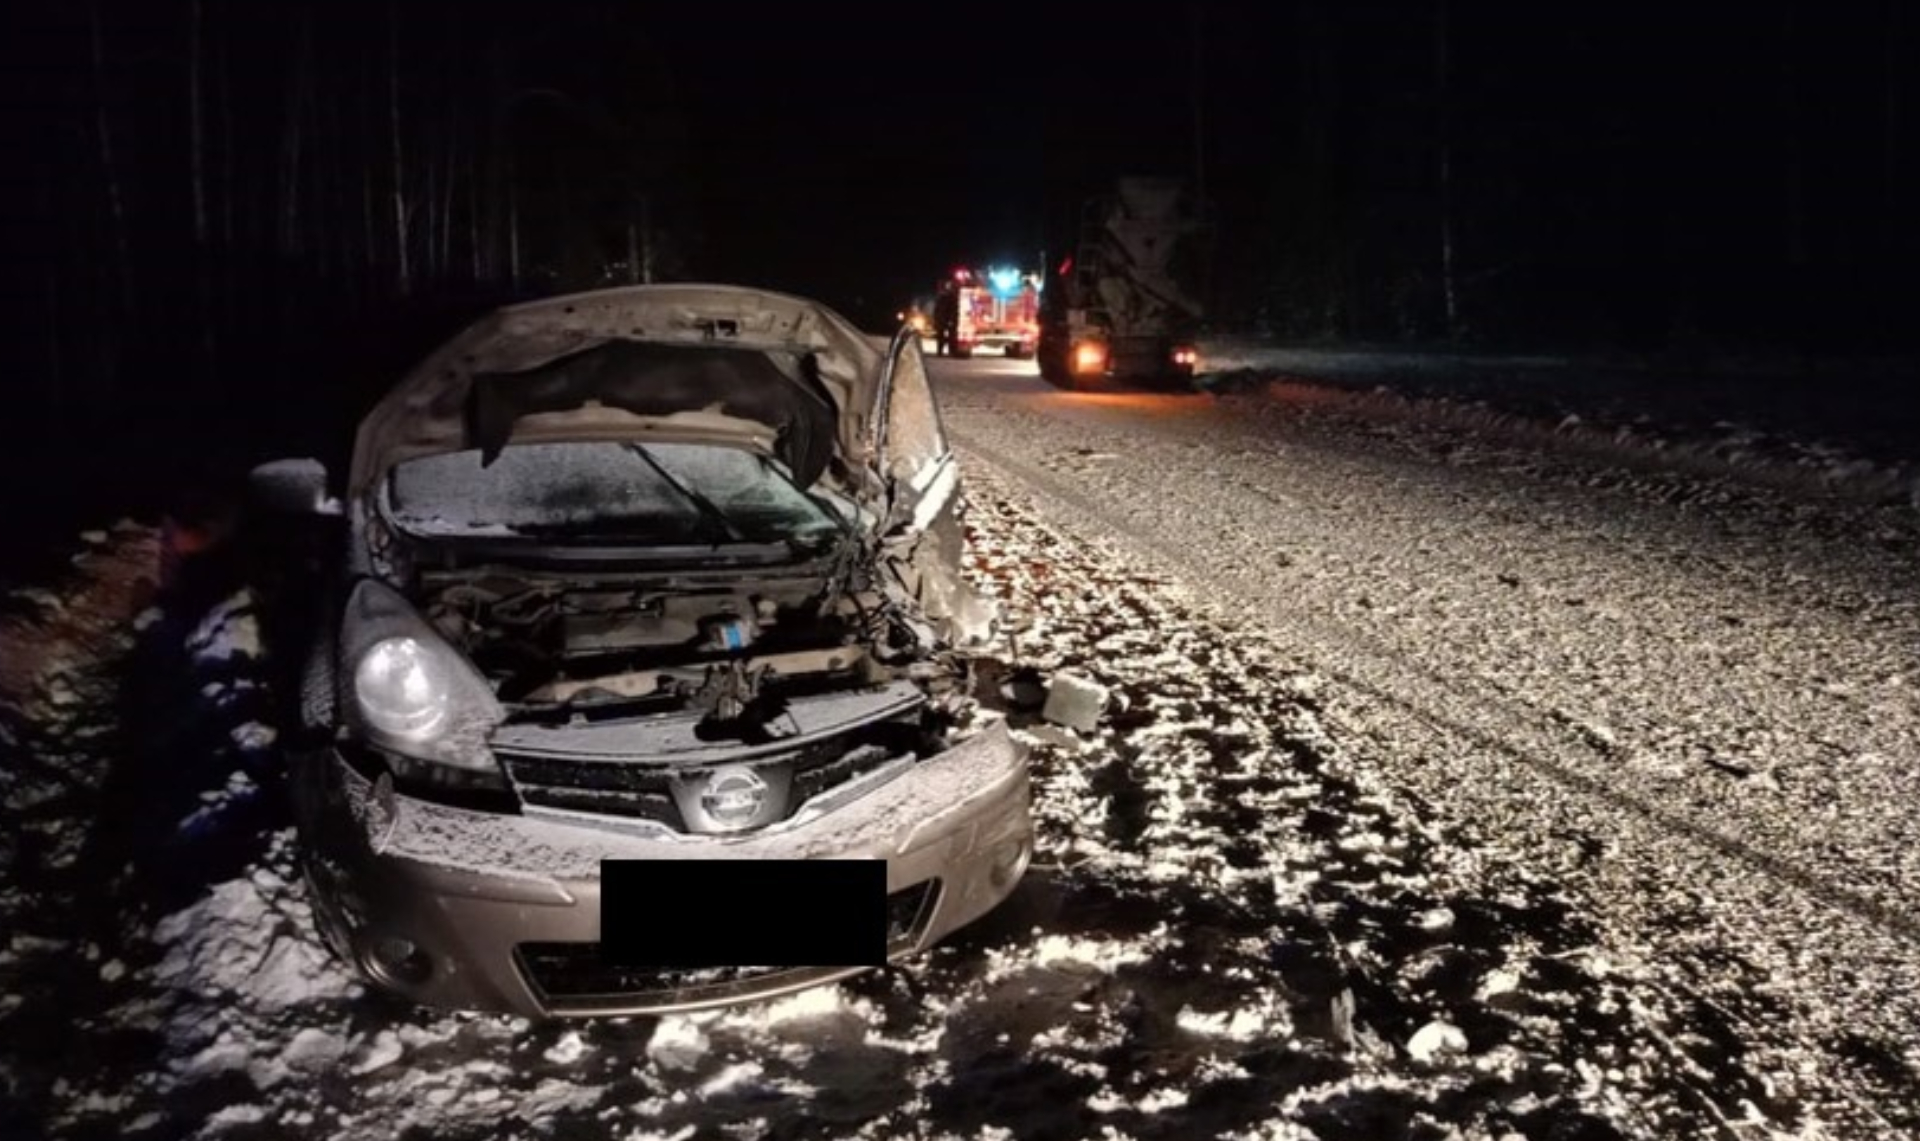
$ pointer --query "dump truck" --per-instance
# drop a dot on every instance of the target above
(1126, 301)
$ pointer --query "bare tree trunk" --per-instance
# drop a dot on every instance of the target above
(474, 250)
(1893, 206)
(299, 100)
(633, 245)
(1449, 283)
(109, 166)
(332, 208)
(1794, 175)
(226, 187)
(54, 382)
(446, 199)
(403, 269)
(1196, 82)
(197, 120)
(364, 153)
(1198, 94)
(430, 228)
(370, 242)
(513, 221)
(646, 239)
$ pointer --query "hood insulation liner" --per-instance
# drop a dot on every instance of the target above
(782, 391)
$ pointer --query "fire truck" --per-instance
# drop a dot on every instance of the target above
(994, 308)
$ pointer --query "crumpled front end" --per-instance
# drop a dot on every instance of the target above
(481, 910)
(669, 572)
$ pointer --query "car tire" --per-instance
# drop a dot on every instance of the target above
(327, 921)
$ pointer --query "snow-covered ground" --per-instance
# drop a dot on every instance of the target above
(1829, 427)
(1448, 788)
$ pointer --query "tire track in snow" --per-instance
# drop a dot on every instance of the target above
(1425, 694)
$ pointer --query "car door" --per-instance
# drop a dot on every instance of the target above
(917, 463)
(923, 541)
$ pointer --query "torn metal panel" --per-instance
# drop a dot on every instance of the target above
(926, 577)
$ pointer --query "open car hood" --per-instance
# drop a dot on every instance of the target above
(778, 374)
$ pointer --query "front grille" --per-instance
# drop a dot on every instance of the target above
(574, 977)
(831, 768)
(638, 790)
(633, 790)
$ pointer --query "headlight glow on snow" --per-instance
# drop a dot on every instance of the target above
(402, 689)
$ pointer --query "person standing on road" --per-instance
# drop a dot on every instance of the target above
(946, 318)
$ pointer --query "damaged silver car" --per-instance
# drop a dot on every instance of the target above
(657, 573)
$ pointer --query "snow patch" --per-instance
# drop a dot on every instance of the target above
(312, 1049)
(227, 1117)
(384, 1050)
(678, 1043)
(1436, 1039)
(253, 736)
(1498, 982)
(229, 631)
(731, 1078)
(1241, 1025)
(1099, 954)
(233, 943)
(568, 1050)
(829, 1000)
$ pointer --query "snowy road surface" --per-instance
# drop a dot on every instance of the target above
(1692, 702)
(1447, 790)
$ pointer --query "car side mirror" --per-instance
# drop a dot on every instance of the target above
(291, 487)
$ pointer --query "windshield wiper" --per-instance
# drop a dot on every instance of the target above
(709, 513)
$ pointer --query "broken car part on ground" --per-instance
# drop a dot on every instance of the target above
(660, 573)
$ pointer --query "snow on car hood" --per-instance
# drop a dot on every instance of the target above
(782, 375)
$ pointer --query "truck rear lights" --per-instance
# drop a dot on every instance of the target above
(1186, 355)
(1089, 357)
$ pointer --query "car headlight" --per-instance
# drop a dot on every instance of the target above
(412, 693)
(401, 689)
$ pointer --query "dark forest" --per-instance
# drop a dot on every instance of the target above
(227, 214)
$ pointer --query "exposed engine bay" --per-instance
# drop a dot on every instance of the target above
(578, 647)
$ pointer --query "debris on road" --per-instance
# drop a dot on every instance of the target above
(1075, 701)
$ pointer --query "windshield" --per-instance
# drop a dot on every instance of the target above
(599, 491)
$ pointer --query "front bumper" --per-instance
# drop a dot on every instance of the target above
(484, 911)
